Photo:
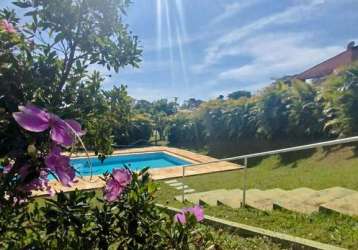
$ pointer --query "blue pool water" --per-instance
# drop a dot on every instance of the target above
(134, 162)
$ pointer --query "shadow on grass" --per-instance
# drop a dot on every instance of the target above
(353, 147)
(291, 159)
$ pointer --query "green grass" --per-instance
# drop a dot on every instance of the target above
(316, 169)
(224, 239)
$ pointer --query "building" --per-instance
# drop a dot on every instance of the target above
(331, 65)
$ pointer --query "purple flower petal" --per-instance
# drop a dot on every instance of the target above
(24, 171)
(59, 132)
(55, 149)
(32, 118)
(7, 168)
(122, 176)
(115, 185)
(66, 173)
(198, 212)
(60, 164)
(76, 127)
(113, 190)
(39, 183)
(180, 217)
(51, 161)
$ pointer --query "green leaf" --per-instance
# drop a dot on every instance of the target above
(22, 4)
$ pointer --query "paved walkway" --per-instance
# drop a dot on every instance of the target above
(180, 186)
(95, 182)
(301, 200)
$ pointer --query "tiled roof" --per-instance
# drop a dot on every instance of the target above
(327, 67)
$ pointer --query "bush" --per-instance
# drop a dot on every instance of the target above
(125, 217)
(282, 115)
(82, 220)
(140, 128)
(185, 131)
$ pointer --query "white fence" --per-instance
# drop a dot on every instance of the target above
(266, 153)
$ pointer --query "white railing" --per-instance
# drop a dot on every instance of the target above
(266, 153)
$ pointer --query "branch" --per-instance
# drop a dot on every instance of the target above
(68, 62)
(81, 56)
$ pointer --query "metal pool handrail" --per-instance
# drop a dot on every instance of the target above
(266, 153)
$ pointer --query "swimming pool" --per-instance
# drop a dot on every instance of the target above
(133, 161)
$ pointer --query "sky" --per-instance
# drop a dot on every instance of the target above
(205, 48)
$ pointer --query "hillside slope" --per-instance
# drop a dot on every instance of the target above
(316, 169)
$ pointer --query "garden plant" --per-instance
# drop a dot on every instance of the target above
(46, 92)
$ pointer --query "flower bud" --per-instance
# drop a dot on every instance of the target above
(31, 150)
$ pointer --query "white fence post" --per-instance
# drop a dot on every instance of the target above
(245, 183)
(182, 181)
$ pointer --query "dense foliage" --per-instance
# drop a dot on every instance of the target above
(45, 59)
(158, 112)
(84, 220)
(283, 114)
(45, 80)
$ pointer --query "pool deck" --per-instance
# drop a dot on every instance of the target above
(86, 183)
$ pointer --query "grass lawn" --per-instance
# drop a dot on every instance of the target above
(315, 169)
(230, 240)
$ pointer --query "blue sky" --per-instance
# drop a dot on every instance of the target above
(204, 48)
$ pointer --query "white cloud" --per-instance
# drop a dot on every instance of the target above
(276, 55)
(223, 46)
(233, 9)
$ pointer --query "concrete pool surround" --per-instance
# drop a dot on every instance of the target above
(205, 167)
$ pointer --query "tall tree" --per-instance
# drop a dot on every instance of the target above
(48, 58)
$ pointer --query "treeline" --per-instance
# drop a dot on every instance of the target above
(283, 114)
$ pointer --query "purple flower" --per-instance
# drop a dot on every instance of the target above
(197, 211)
(113, 190)
(24, 171)
(117, 183)
(180, 217)
(60, 165)
(34, 119)
(7, 168)
(122, 176)
(6, 26)
(39, 183)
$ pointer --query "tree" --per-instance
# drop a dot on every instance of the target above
(32, 137)
(142, 106)
(164, 106)
(160, 121)
(47, 58)
(192, 103)
(272, 112)
(119, 104)
(140, 128)
(185, 130)
(306, 117)
(340, 94)
(239, 94)
(220, 97)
